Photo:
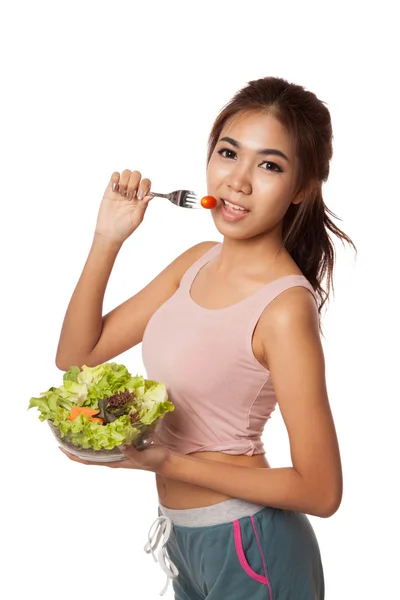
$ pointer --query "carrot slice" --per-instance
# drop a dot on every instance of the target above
(78, 410)
(97, 420)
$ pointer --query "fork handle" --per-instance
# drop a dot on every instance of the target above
(158, 195)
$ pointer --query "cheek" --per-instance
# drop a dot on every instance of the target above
(209, 177)
(274, 196)
(209, 174)
(216, 171)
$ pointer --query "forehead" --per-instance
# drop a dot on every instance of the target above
(257, 130)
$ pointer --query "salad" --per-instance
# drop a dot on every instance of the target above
(102, 407)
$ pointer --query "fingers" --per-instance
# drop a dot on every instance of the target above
(144, 189)
(114, 181)
(131, 185)
(144, 203)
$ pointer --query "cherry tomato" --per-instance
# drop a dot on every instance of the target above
(208, 202)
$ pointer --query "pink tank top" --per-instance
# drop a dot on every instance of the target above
(222, 395)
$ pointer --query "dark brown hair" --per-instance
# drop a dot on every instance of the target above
(307, 225)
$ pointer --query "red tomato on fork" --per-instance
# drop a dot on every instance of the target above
(208, 202)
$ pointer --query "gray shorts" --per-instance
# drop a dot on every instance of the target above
(236, 550)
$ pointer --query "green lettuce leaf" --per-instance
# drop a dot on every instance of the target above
(72, 374)
(89, 434)
(52, 405)
(85, 388)
(157, 411)
(154, 402)
(104, 381)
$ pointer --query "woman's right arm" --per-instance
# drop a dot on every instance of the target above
(88, 338)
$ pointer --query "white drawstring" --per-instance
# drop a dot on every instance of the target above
(163, 527)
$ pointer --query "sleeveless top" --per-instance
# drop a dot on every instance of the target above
(222, 395)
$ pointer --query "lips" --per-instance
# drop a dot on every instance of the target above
(225, 200)
(231, 214)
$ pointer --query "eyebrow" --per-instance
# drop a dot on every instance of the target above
(263, 151)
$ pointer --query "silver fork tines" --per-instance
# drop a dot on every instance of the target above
(182, 198)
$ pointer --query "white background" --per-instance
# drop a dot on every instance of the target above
(92, 87)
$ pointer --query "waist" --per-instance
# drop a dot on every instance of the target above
(176, 494)
(216, 514)
(186, 436)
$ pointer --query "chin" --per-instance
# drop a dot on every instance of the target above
(234, 230)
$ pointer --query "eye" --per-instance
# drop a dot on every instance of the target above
(227, 153)
(271, 166)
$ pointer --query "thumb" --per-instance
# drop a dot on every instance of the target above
(141, 205)
(145, 201)
(130, 452)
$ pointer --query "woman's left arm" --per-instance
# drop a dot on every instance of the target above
(313, 485)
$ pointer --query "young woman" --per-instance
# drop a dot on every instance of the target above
(232, 329)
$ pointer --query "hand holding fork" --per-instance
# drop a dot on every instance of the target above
(125, 202)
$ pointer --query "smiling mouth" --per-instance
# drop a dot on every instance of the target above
(234, 207)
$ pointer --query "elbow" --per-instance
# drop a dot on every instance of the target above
(61, 362)
(328, 505)
(61, 365)
(65, 365)
(328, 510)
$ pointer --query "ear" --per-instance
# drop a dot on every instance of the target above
(299, 197)
(311, 190)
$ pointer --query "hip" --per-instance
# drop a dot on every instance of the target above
(237, 549)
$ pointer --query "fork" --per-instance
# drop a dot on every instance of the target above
(182, 198)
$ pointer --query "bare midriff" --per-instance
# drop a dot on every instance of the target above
(181, 495)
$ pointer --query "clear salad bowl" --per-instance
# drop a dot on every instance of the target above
(97, 409)
(143, 441)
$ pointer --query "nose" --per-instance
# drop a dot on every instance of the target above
(238, 179)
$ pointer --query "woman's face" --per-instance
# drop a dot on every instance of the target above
(253, 166)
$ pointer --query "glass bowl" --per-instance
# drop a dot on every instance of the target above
(143, 441)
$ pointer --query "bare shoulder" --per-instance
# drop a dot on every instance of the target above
(294, 306)
(291, 319)
(185, 260)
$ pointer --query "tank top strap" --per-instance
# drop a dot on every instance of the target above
(276, 287)
(189, 276)
(258, 302)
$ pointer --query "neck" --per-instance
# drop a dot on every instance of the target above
(253, 255)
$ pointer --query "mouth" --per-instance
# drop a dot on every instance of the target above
(233, 212)
(234, 206)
